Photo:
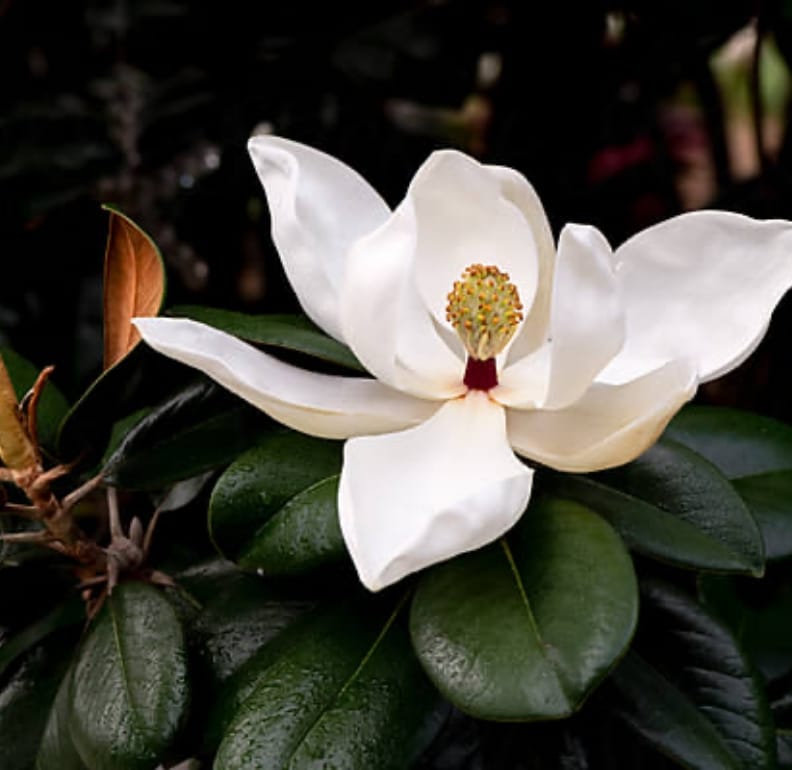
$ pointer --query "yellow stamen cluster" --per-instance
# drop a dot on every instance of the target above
(485, 309)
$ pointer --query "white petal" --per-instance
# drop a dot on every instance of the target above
(462, 217)
(318, 207)
(317, 404)
(586, 328)
(610, 425)
(701, 285)
(385, 321)
(411, 499)
(516, 188)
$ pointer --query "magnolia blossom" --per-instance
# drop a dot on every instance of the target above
(484, 339)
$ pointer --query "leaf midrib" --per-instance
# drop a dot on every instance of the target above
(532, 621)
(137, 724)
(350, 680)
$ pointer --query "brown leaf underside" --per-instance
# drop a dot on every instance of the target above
(133, 286)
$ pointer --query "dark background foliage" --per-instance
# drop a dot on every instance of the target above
(613, 110)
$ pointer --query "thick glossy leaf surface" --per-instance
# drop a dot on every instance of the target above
(134, 284)
(85, 430)
(130, 687)
(525, 629)
(57, 751)
(769, 497)
(241, 613)
(257, 486)
(738, 443)
(339, 689)
(25, 700)
(756, 453)
(290, 332)
(200, 428)
(52, 405)
(666, 717)
(648, 529)
(303, 535)
(759, 614)
(673, 504)
(693, 663)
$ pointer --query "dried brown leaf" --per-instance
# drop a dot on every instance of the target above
(134, 285)
(16, 449)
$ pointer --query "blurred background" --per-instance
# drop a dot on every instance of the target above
(620, 114)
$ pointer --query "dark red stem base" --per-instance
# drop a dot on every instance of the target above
(480, 375)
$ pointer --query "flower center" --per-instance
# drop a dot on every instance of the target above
(485, 310)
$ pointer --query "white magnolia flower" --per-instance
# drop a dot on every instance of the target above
(483, 338)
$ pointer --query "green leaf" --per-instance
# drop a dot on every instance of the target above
(242, 613)
(737, 443)
(265, 496)
(25, 700)
(130, 687)
(769, 497)
(85, 430)
(290, 332)
(199, 428)
(668, 719)
(755, 452)
(759, 615)
(525, 629)
(52, 405)
(57, 751)
(673, 505)
(303, 535)
(339, 689)
(692, 666)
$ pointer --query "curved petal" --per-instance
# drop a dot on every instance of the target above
(462, 217)
(610, 425)
(384, 320)
(317, 404)
(701, 285)
(410, 499)
(319, 207)
(516, 188)
(585, 331)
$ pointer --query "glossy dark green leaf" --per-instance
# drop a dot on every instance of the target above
(260, 483)
(673, 505)
(290, 332)
(738, 443)
(85, 430)
(760, 616)
(667, 718)
(339, 689)
(525, 629)
(199, 428)
(303, 535)
(241, 613)
(130, 687)
(57, 751)
(769, 497)
(25, 700)
(692, 662)
(52, 405)
(650, 530)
